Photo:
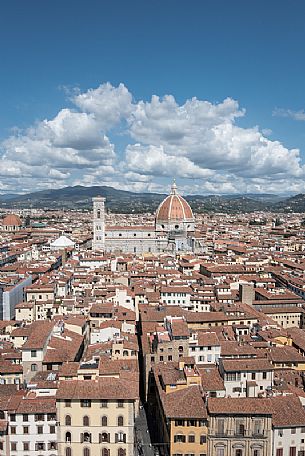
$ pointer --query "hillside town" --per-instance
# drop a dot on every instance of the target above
(167, 334)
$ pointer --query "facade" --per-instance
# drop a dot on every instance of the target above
(246, 377)
(11, 296)
(177, 409)
(32, 427)
(97, 417)
(239, 427)
(173, 230)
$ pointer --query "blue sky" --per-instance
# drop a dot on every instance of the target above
(55, 55)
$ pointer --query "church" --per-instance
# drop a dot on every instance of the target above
(172, 232)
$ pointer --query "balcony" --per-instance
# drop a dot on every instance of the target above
(238, 435)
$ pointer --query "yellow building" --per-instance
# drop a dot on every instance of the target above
(178, 410)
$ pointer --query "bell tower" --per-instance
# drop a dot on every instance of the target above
(98, 242)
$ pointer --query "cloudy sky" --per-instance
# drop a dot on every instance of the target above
(133, 94)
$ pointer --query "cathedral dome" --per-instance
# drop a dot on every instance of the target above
(174, 208)
(11, 220)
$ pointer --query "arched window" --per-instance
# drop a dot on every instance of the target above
(68, 420)
(33, 367)
(68, 437)
(105, 452)
(121, 452)
(104, 437)
(68, 451)
(125, 352)
(86, 421)
(120, 421)
(86, 452)
(104, 420)
(86, 437)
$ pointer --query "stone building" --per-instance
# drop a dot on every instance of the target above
(239, 427)
(173, 230)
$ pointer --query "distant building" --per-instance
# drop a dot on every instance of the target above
(11, 223)
(173, 230)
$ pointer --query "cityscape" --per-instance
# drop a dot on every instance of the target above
(152, 228)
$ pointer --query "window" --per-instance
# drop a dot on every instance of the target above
(121, 452)
(191, 438)
(280, 433)
(39, 417)
(25, 417)
(203, 439)
(33, 353)
(68, 403)
(120, 437)
(52, 446)
(104, 438)
(68, 451)
(39, 446)
(256, 452)
(179, 438)
(104, 404)
(85, 437)
(253, 375)
(26, 446)
(51, 416)
(292, 451)
(293, 430)
(68, 437)
(33, 367)
(85, 403)
(13, 446)
(120, 403)
(179, 422)
(220, 451)
(104, 420)
(39, 429)
(68, 420)
(86, 421)
(238, 452)
(257, 427)
(279, 452)
(264, 375)
(240, 428)
(25, 429)
(220, 426)
(52, 429)
(105, 452)
(86, 452)
(120, 421)
(13, 429)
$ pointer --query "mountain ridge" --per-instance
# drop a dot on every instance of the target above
(80, 197)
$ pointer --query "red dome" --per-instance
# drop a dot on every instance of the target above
(174, 207)
(11, 220)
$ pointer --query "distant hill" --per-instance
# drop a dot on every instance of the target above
(80, 197)
(295, 203)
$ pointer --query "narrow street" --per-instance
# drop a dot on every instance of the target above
(143, 443)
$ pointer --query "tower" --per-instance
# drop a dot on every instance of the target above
(98, 242)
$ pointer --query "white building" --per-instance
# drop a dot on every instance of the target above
(288, 424)
(173, 230)
(204, 347)
(246, 377)
(32, 426)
